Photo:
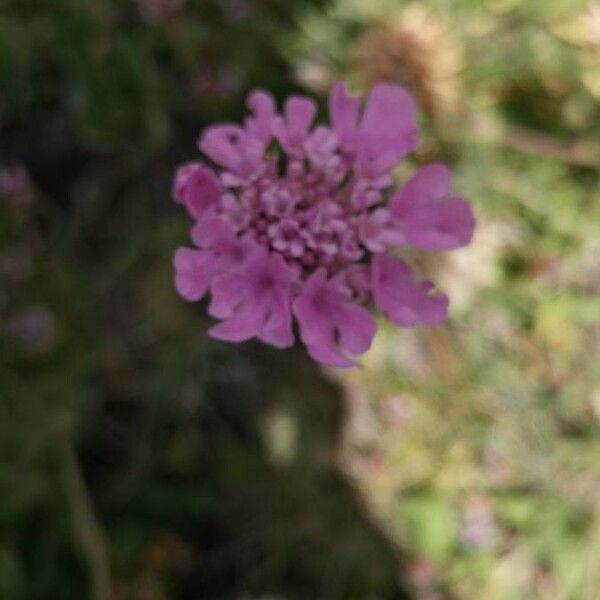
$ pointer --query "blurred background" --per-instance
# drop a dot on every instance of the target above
(141, 460)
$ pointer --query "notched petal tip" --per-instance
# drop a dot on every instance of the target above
(331, 324)
(400, 299)
(343, 111)
(427, 216)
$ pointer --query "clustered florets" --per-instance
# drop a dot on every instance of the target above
(297, 222)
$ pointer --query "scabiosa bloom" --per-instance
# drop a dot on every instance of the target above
(294, 222)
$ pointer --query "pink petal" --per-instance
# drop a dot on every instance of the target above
(219, 143)
(317, 334)
(425, 214)
(354, 281)
(254, 300)
(426, 186)
(441, 226)
(388, 120)
(343, 111)
(277, 330)
(299, 114)
(263, 106)
(321, 145)
(400, 299)
(228, 291)
(193, 273)
(324, 312)
(182, 176)
(324, 351)
(238, 214)
(377, 232)
(198, 189)
(293, 130)
(240, 327)
(356, 327)
(212, 232)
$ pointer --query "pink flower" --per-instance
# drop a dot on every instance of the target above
(294, 223)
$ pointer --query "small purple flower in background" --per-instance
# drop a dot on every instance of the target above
(160, 11)
(212, 86)
(295, 222)
(477, 527)
(16, 187)
(34, 327)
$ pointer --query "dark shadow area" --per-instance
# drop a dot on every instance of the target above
(234, 521)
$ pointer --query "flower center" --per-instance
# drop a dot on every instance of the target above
(303, 222)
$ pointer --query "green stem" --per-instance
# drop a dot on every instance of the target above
(87, 530)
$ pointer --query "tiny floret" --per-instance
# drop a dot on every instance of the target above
(294, 221)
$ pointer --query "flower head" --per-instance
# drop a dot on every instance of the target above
(294, 222)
